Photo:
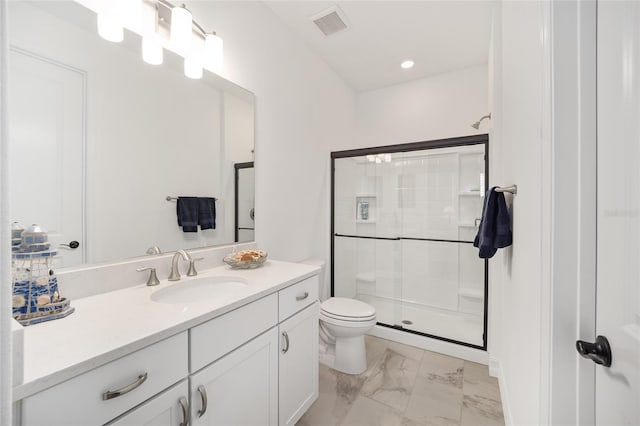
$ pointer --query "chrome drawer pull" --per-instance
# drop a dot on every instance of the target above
(116, 393)
(303, 296)
(286, 341)
(203, 396)
(186, 413)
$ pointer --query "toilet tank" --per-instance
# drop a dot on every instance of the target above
(324, 290)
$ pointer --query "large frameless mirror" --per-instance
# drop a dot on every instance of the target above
(103, 143)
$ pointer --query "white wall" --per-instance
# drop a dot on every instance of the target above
(438, 107)
(303, 111)
(519, 149)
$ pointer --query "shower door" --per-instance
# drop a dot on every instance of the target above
(404, 218)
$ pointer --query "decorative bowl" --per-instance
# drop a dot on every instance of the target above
(246, 259)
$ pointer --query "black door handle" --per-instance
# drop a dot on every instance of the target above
(598, 352)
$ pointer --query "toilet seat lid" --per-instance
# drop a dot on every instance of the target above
(348, 308)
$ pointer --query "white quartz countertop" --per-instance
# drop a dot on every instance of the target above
(108, 326)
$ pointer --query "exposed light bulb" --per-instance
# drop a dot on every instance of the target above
(213, 52)
(407, 64)
(193, 67)
(387, 158)
(109, 28)
(371, 158)
(181, 27)
(152, 52)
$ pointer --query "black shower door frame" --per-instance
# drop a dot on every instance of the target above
(236, 190)
(482, 139)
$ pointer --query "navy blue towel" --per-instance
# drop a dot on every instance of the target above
(207, 213)
(187, 210)
(495, 227)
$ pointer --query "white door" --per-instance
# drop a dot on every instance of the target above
(46, 139)
(618, 236)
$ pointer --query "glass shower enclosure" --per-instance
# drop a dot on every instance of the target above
(403, 222)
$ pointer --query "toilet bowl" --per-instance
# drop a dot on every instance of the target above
(343, 324)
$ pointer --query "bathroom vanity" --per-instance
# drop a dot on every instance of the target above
(244, 355)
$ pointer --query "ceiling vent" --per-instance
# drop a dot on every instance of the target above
(330, 21)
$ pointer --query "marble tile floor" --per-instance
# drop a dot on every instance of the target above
(407, 386)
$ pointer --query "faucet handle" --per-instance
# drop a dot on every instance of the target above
(153, 278)
(192, 267)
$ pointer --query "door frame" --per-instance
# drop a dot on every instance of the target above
(6, 320)
(567, 383)
(236, 179)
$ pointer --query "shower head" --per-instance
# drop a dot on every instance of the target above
(476, 125)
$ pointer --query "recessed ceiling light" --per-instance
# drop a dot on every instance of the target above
(407, 64)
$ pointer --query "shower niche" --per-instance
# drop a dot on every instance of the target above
(365, 209)
(403, 222)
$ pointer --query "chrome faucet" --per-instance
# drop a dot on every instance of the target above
(175, 272)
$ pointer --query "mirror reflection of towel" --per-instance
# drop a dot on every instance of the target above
(187, 210)
(495, 228)
(207, 213)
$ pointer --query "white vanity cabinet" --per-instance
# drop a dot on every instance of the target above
(254, 365)
(234, 367)
(275, 375)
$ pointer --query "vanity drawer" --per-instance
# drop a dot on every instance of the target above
(79, 401)
(218, 337)
(298, 296)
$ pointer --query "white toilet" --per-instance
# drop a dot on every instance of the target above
(343, 324)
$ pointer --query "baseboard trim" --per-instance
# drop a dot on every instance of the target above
(494, 367)
(495, 370)
(435, 345)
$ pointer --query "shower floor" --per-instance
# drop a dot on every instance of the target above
(458, 326)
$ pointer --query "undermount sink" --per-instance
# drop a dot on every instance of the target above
(200, 289)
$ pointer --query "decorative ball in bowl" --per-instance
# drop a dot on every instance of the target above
(246, 259)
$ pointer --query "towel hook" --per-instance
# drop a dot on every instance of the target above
(513, 189)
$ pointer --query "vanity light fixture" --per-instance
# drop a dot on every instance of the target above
(181, 27)
(109, 28)
(213, 52)
(152, 52)
(193, 67)
(167, 23)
